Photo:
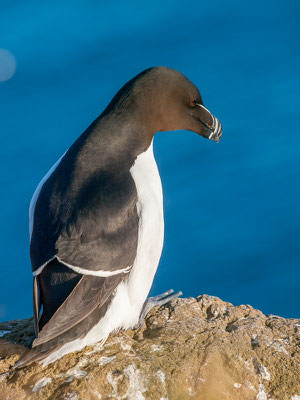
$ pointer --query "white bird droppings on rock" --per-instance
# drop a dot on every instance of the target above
(136, 383)
(250, 386)
(136, 386)
(83, 362)
(105, 360)
(41, 383)
(156, 347)
(261, 395)
(113, 381)
(125, 346)
(249, 365)
(191, 391)
(75, 373)
(280, 348)
(237, 385)
(265, 374)
(162, 377)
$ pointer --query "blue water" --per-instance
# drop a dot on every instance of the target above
(231, 209)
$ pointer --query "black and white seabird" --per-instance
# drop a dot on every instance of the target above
(96, 219)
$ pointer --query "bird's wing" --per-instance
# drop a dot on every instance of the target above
(90, 293)
(95, 233)
(92, 229)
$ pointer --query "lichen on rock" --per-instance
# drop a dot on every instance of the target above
(197, 349)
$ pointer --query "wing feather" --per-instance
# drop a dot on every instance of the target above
(90, 292)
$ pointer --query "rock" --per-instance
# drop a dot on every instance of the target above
(197, 349)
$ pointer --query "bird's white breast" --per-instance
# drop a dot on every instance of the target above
(151, 225)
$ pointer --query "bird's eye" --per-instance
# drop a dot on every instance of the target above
(193, 103)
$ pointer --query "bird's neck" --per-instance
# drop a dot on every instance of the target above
(112, 141)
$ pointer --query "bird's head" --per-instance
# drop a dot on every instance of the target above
(163, 99)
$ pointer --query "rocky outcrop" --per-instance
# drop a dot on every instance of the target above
(204, 349)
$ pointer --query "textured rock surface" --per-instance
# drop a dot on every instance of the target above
(204, 349)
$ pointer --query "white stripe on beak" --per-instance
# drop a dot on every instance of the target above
(200, 105)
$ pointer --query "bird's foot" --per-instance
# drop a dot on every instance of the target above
(158, 300)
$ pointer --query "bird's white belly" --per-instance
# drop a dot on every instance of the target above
(151, 227)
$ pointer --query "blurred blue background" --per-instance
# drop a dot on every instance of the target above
(231, 209)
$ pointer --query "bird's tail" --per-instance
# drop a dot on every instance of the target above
(32, 355)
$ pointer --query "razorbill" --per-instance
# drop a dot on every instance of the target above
(96, 219)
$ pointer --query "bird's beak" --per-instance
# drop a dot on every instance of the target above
(211, 126)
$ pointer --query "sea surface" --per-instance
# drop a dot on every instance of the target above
(232, 210)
